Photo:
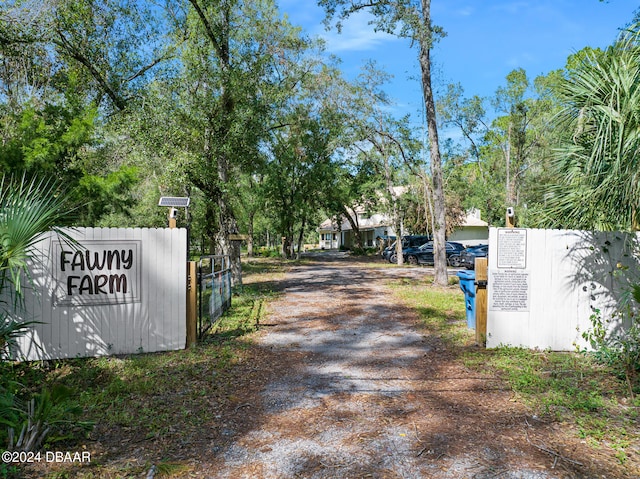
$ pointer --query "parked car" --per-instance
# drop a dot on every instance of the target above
(407, 242)
(468, 256)
(424, 253)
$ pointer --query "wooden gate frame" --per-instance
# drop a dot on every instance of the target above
(192, 304)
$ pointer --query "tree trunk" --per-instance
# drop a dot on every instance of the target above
(301, 238)
(355, 227)
(250, 235)
(439, 239)
(228, 225)
(428, 207)
(397, 225)
(287, 243)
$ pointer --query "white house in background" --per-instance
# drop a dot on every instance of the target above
(472, 231)
(332, 236)
(371, 227)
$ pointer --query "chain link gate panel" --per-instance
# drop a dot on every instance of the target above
(214, 290)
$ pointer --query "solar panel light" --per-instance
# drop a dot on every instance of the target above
(175, 201)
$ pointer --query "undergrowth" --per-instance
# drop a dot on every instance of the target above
(152, 396)
(567, 387)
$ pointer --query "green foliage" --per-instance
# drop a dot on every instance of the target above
(619, 347)
(45, 140)
(28, 210)
(48, 417)
(109, 197)
(9, 412)
(502, 161)
(10, 330)
(596, 167)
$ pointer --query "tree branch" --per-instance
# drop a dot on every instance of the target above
(207, 26)
(65, 44)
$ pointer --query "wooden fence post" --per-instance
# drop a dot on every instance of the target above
(481, 301)
(192, 304)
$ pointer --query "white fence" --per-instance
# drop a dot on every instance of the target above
(117, 291)
(545, 284)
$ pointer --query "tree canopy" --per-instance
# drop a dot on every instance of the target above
(225, 101)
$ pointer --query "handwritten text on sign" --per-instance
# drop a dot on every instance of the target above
(97, 272)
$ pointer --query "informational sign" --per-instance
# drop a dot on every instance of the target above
(510, 290)
(512, 248)
(97, 272)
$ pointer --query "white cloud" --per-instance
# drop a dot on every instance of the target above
(465, 11)
(522, 59)
(513, 8)
(357, 35)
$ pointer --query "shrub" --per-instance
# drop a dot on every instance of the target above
(618, 348)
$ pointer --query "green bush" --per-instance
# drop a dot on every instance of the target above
(619, 348)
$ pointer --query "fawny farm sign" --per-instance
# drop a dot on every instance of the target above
(97, 272)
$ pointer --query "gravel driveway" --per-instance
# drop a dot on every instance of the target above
(361, 392)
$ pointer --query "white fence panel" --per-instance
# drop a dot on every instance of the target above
(542, 294)
(124, 292)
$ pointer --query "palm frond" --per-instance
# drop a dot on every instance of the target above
(28, 210)
(598, 165)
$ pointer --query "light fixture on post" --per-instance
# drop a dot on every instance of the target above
(173, 202)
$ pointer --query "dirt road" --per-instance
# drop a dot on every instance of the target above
(359, 391)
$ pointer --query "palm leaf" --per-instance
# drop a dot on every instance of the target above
(598, 165)
(28, 210)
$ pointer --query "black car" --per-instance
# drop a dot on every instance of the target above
(424, 253)
(407, 242)
(468, 257)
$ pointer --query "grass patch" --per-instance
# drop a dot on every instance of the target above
(566, 387)
(442, 310)
(157, 397)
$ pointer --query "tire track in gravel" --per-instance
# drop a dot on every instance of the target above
(361, 396)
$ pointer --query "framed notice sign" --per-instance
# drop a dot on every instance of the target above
(512, 248)
(510, 290)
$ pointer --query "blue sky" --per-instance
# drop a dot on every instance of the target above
(486, 39)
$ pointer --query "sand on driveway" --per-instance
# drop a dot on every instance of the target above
(360, 391)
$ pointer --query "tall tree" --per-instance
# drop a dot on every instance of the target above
(299, 170)
(68, 69)
(505, 159)
(211, 113)
(99, 50)
(411, 19)
(510, 130)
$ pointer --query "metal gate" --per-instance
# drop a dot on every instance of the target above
(214, 290)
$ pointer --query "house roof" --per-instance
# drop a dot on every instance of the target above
(374, 221)
(471, 220)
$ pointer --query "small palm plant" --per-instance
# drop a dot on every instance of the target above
(28, 210)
